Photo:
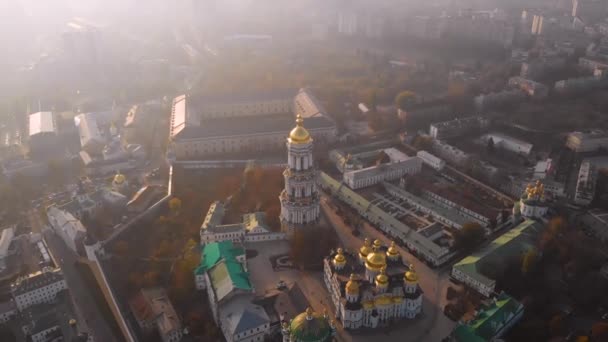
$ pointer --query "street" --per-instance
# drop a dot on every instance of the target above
(433, 325)
(83, 300)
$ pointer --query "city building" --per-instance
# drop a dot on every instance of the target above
(457, 127)
(42, 132)
(465, 205)
(91, 139)
(481, 27)
(585, 184)
(450, 153)
(491, 321)
(153, 310)
(595, 221)
(223, 274)
(582, 84)
(424, 27)
(211, 254)
(308, 326)
(196, 131)
(534, 69)
(235, 105)
(533, 203)
(69, 228)
(398, 166)
(372, 288)
(425, 248)
(533, 89)
(113, 157)
(54, 321)
(508, 143)
(253, 227)
(431, 160)
(8, 310)
(485, 102)
(8, 233)
(300, 198)
(425, 111)
(137, 126)
(478, 270)
(587, 141)
(37, 288)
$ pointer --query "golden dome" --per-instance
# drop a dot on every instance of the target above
(368, 305)
(119, 178)
(352, 286)
(397, 299)
(299, 135)
(339, 259)
(411, 275)
(384, 300)
(392, 250)
(366, 248)
(377, 243)
(375, 260)
(382, 278)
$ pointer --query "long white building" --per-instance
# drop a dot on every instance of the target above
(585, 184)
(69, 228)
(431, 160)
(508, 143)
(37, 288)
(587, 141)
(398, 166)
(91, 139)
(258, 125)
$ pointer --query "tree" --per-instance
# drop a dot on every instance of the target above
(471, 235)
(121, 248)
(490, 147)
(404, 99)
(175, 204)
(528, 261)
(599, 331)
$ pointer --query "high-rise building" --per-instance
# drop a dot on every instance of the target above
(299, 199)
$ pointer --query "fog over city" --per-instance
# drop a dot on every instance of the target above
(303, 170)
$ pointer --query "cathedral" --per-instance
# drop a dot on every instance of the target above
(300, 198)
(372, 287)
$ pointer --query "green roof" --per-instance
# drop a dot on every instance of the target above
(214, 252)
(315, 329)
(490, 320)
(512, 243)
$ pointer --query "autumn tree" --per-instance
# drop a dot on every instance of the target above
(528, 261)
(470, 236)
(121, 248)
(175, 205)
(404, 99)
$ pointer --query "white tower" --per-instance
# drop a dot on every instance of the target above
(299, 199)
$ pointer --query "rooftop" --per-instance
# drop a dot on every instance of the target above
(489, 321)
(214, 252)
(241, 315)
(42, 122)
(154, 304)
(514, 242)
(247, 126)
(35, 281)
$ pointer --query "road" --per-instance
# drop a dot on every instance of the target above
(433, 325)
(84, 301)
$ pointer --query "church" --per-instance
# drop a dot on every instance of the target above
(300, 198)
(372, 287)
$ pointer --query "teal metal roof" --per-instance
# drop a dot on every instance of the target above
(214, 252)
(490, 320)
(513, 242)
